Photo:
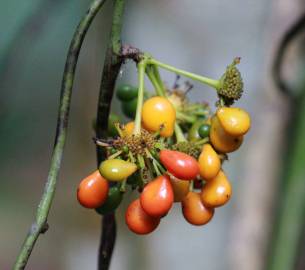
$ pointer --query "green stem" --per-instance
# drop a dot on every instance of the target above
(150, 74)
(141, 161)
(179, 134)
(185, 117)
(159, 80)
(202, 141)
(158, 172)
(123, 186)
(131, 157)
(112, 64)
(191, 187)
(141, 73)
(115, 155)
(40, 224)
(156, 78)
(211, 82)
(155, 162)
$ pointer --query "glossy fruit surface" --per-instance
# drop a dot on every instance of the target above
(126, 92)
(117, 169)
(222, 141)
(92, 190)
(180, 188)
(157, 197)
(158, 114)
(128, 128)
(113, 200)
(193, 133)
(204, 130)
(129, 108)
(179, 164)
(138, 220)
(217, 191)
(112, 120)
(235, 121)
(194, 211)
(209, 162)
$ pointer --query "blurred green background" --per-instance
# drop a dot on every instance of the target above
(200, 36)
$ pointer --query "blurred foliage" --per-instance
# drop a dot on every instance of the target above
(289, 226)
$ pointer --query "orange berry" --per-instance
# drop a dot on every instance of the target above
(209, 162)
(138, 220)
(180, 188)
(92, 191)
(217, 191)
(157, 197)
(235, 121)
(221, 140)
(194, 211)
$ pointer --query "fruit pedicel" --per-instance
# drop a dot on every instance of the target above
(171, 151)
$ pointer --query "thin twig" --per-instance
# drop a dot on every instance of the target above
(40, 224)
(112, 65)
(289, 36)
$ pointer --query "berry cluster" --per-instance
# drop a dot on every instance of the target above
(172, 152)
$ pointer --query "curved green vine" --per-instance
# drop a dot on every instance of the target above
(40, 224)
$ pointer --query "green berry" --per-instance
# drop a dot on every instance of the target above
(129, 108)
(204, 130)
(126, 92)
(113, 200)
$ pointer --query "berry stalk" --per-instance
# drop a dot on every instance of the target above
(141, 72)
(211, 82)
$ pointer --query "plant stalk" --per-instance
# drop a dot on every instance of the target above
(211, 82)
(111, 69)
(40, 225)
(141, 73)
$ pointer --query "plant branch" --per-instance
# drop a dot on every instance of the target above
(112, 65)
(40, 224)
(151, 75)
(211, 82)
(141, 72)
(289, 36)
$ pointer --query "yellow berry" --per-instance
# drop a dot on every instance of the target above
(221, 140)
(158, 114)
(128, 128)
(209, 162)
(217, 191)
(235, 121)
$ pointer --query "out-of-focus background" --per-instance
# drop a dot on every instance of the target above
(199, 36)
